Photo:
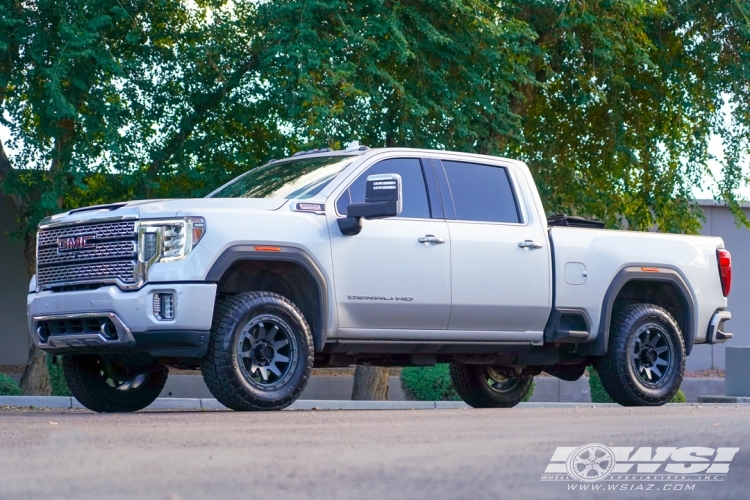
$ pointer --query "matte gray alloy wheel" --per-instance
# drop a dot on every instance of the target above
(261, 352)
(101, 386)
(500, 382)
(483, 386)
(645, 358)
(652, 355)
(267, 352)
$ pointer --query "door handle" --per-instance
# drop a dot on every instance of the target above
(530, 244)
(431, 238)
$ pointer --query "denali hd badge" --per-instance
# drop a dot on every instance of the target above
(379, 297)
(84, 242)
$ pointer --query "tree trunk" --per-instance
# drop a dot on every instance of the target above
(370, 383)
(35, 379)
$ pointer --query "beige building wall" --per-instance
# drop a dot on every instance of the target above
(721, 222)
(14, 337)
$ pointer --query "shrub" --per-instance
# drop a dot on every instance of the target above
(430, 383)
(9, 387)
(599, 395)
(679, 397)
(433, 383)
(56, 377)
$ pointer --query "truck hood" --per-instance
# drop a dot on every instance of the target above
(157, 209)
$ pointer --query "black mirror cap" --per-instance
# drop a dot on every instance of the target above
(350, 226)
(373, 209)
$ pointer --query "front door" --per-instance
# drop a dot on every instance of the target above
(385, 278)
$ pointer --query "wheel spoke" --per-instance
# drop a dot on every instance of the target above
(274, 369)
(271, 334)
(264, 372)
(280, 358)
(661, 349)
(656, 371)
(246, 354)
(279, 344)
(661, 361)
(647, 372)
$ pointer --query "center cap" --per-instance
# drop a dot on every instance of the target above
(264, 353)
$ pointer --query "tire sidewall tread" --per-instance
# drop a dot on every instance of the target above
(221, 371)
(614, 368)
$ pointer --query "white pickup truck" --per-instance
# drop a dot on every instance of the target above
(389, 257)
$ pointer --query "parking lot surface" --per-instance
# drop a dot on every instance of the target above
(352, 454)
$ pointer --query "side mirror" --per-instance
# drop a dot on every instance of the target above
(383, 199)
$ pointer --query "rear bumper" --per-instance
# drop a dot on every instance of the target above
(716, 333)
(108, 319)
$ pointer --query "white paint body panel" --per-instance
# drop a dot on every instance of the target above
(385, 279)
(605, 253)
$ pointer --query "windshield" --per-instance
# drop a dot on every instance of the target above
(296, 179)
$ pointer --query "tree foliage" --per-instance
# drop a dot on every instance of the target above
(612, 103)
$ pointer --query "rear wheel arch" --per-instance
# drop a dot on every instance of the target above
(289, 272)
(666, 288)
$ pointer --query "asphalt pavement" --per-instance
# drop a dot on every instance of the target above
(451, 453)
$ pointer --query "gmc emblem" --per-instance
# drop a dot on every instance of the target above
(85, 242)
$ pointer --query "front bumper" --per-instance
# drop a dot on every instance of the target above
(108, 319)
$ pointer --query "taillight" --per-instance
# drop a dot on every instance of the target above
(725, 270)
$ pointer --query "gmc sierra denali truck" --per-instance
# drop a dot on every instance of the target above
(387, 257)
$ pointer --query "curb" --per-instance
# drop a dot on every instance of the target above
(724, 399)
(206, 404)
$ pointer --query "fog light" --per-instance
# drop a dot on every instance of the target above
(164, 306)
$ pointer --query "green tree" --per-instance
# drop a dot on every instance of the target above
(611, 102)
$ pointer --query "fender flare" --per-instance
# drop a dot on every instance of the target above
(666, 274)
(239, 253)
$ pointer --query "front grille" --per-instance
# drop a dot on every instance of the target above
(107, 251)
(84, 272)
(102, 231)
(113, 258)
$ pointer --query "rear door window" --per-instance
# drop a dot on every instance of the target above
(481, 193)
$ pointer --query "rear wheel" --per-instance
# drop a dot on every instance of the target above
(101, 386)
(483, 386)
(261, 352)
(645, 359)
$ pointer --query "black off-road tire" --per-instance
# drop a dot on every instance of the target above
(472, 383)
(87, 381)
(616, 368)
(229, 382)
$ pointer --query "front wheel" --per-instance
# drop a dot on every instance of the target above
(645, 359)
(483, 386)
(261, 352)
(101, 386)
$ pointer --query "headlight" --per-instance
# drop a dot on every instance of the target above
(168, 240)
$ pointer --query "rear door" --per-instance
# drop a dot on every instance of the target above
(500, 264)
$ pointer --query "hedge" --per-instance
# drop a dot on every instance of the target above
(8, 386)
(433, 383)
